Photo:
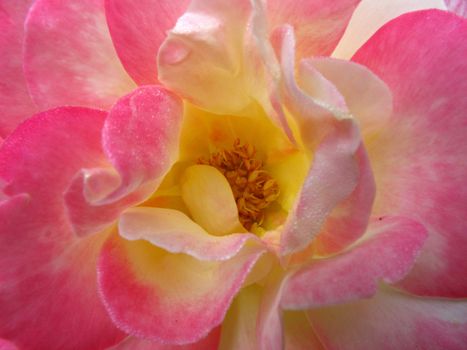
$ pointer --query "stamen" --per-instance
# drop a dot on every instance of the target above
(253, 188)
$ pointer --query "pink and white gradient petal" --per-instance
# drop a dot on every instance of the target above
(140, 138)
(459, 7)
(69, 58)
(210, 342)
(418, 158)
(15, 102)
(42, 264)
(177, 233)
(391, 245)
(318, 24)
(391, 320)
(138, 29)
(169, 298)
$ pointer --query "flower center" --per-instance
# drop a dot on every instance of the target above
(253, 188)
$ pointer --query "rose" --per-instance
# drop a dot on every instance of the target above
(51, 216)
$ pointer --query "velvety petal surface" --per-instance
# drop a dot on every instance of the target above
(177, 233)
(69, 58)
(371, 15)
(318, 24)
(140, 138)
(6, 345)
(392, 321)
(170, 298)
(391, 246)
(138, 29)
(419, 158)
(210, 342)
(42, 264)
(15, 102)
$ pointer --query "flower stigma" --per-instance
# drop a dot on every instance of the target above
(253, 188)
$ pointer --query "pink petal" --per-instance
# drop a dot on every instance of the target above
(177, 233)
(140, 137)
(6, 345)
(138, 30)
(169, 298)
(419, 157)
(393, 321)
(15, 103)
(319, 24)
(386, 255)
(459, 7)
(69, 58)
(205, 48)
(210, 342)
(42, 264)
(371, 15)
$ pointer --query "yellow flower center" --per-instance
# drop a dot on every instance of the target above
(253, 188)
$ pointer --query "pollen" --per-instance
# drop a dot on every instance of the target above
(253, 188)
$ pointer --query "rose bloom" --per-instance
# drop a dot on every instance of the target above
(214, 174)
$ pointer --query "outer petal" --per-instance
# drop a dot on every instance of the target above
(69, 58)
(318, 24)
(205, 48)
(393, 245)
(138, 29)
(42, 265)
(210, 342)
(175, 232)
(457, 6)
(371, 15)
(15, 102)
(145, 289)
(419, 157)
(393, 321)
(140, 137)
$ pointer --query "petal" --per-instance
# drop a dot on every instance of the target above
(370, 15)
(299, 334)
(140, 138)
(319, 24)
(138, 30)
(175, 232)
(210, 342)
(209, 198)
(419, 157)
(42, 264)
(69, 58)
(392, 246)
(6, 345)
(205, 49)
(169, 298)
(459, 7)
(15, 102)
(392, 320)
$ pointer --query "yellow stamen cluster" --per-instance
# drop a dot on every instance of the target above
(253, 188)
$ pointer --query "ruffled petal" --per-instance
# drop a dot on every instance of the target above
(392, 321)
(459, 7)
(170, 298)
(418, 158)
(319, 24)
(210, 200)
(371, 15)
(138, 30)
(177, 233)
(42, 264)
(205, 48)
(69, 58)
(392, 246)
(15, 102)
(140, 138)
(210, 342)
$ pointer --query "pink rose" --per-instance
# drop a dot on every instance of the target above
(233, 175)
